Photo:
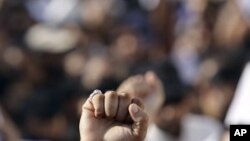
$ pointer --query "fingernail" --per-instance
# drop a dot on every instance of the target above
(134, 109)
(95, 92)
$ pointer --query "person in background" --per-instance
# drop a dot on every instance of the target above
(170, 114)
(148, 88)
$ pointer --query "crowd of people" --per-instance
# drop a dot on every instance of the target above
(182, 58)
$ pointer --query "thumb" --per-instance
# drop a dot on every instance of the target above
(140, 122)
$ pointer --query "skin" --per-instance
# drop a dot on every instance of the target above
(148, 88)
(112, 117)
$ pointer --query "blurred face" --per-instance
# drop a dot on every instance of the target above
(54, 128)
(95, 70)
(126, 47)
(213, 102)
(230, 28)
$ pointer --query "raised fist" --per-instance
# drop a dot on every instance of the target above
(148, 88)
(112, 117)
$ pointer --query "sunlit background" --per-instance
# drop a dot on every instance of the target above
(53, 53)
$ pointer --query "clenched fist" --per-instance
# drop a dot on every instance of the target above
(112, 117)
(148, 88)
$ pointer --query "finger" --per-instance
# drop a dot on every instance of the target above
(88, 105)
(98, 104)
(110, 104)
(137, 102)
(140, 121)
(122, 112)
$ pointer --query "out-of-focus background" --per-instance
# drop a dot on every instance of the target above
(53, 53)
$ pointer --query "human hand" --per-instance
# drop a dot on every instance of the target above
(112, 117)
(146, 87)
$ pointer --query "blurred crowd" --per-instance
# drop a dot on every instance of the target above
(53, 53)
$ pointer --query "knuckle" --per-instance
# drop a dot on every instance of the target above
(125, 95)
(98, 97)
(110, 94)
